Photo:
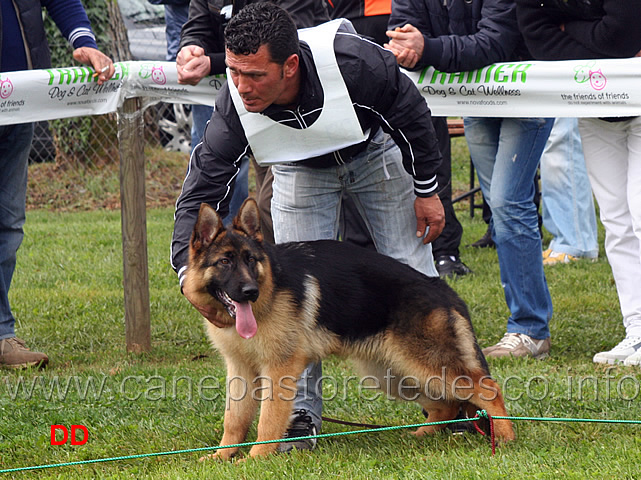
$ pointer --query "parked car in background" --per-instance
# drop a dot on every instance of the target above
(145, 23)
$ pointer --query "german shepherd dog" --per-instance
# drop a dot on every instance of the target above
(296, 303)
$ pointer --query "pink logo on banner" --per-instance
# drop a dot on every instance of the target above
(6, 88)
(597, 79)
(585, 73)
(158, 75)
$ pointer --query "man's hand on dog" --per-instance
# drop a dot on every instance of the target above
(207, 311)
(429, 213)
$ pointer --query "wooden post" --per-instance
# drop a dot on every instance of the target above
(134, 226)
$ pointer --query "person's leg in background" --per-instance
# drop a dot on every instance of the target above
(352, 227)
(445, 248)
(15, 143)
(264, 179)
(613, 159)
(200, 115)
(506, 154)
(486, 240)
(175, 17)
(568, 207)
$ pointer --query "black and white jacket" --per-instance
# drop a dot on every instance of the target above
(382, 96)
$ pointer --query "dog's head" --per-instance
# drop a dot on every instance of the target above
(228, 266)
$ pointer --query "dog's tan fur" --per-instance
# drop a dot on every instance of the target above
(292, 334)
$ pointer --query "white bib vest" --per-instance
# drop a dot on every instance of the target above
(336, 127)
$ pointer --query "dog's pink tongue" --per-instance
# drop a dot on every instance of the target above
(245, 321)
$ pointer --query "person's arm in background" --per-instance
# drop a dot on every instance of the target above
(72, 21)
(201, 44)
(612, 35)
(494, 39)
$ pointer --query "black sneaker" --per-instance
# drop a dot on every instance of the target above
(485, 241)
(449, 266)
(301, 426)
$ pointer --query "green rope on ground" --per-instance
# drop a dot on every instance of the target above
(479, 414)
(483, 414)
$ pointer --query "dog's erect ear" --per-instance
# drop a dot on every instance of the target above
(208, 225)
(248, 219)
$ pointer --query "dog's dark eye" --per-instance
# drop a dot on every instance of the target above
(224, 261)
(251, 260)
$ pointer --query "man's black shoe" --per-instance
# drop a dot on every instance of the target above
(449, 266)
(485, 241)
(301, 426)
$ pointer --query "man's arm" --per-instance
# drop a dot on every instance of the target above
(203, 29)
(72, 21)
(213, 167)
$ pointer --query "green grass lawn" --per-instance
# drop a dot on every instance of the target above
(67, 296)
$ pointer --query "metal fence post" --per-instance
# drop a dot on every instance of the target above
(134, 226)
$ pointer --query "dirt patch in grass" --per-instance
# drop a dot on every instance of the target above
(75, 187)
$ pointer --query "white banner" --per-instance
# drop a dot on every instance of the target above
(577, 88)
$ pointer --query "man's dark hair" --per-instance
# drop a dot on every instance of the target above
(262, 23)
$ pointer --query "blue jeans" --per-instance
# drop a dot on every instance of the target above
(506, 154)
(175, 18)
(15, 143)
(200, 115)
(566, 196)
(306, 204)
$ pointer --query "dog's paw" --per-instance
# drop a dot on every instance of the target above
(224, 454)
(262, 450)
(427, 430)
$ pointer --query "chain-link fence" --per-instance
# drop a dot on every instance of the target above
(74, 162)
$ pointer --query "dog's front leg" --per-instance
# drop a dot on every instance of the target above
(240, 410)
(276, 409)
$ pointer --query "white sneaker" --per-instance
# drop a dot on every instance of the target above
(519, 345)
(633, 360)
(627, 347)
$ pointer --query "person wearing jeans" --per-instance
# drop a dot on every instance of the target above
(460, 36)
(506, 154)
(305, 206)
(23, 46)
(310, 107)
(15, 143)
(560, 30)
(566, 196)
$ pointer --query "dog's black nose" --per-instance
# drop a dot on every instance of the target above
(250, 292)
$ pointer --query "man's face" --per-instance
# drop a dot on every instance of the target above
(260, 82)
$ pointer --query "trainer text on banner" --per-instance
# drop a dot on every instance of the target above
(575, 88)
